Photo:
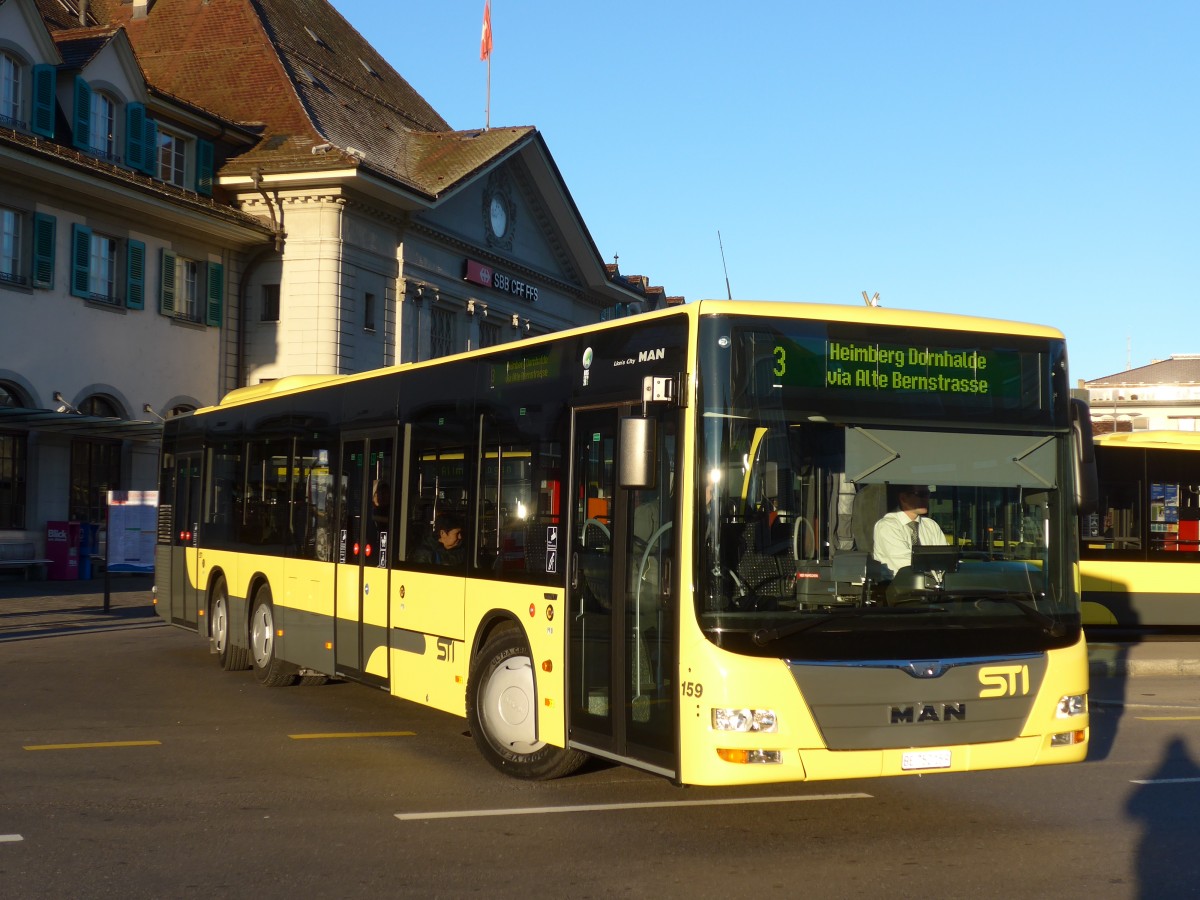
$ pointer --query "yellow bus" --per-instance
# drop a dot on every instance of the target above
(1141, 546)
(651, 541)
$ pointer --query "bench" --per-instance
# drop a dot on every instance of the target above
(20, 555)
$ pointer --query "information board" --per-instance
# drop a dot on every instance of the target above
(132, 531)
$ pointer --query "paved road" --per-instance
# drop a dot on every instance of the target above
(131, 766)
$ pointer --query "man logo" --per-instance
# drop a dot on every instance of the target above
(1004, 681)
(919, 713)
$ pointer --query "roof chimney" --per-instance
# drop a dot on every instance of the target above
(83, 13)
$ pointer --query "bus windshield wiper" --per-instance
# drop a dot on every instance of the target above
(1050, 625)
(764, 636)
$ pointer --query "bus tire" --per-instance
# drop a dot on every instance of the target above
(231, 657)
(502, 712)
(268, 668)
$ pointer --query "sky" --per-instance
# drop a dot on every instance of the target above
(1035, 161)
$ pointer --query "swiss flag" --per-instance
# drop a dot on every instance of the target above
(485, 40)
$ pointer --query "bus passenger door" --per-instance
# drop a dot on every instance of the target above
(622, 612)
(186, 592)
(363, 556)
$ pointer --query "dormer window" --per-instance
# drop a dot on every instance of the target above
(172, 158)
(102, 137)
(11, 92)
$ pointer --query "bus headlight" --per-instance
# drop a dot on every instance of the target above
(761, 720)
(1072, 705)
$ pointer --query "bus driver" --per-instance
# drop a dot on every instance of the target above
(902, 529)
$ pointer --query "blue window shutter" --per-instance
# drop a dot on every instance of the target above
(151, 141)
(44, 233)
(216, 293)
(81, 252)
(83, 115)
(135, 136)
(43, 100)
(166, 296)
(204, 167)
(135, 275)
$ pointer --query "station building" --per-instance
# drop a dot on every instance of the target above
(198, 195)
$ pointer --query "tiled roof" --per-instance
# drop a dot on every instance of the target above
(62, 13)
(1181, 369)
(300, 69)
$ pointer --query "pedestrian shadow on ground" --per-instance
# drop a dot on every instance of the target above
(1168, 804)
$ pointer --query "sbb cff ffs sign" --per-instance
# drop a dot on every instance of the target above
(485, 275)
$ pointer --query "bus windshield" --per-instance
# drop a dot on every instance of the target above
(845, 524)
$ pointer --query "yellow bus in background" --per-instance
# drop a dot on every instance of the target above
(665, 555)
(1141, 547)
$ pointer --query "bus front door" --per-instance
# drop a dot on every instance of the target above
(363, 557)
(186, 591)
(622, 622)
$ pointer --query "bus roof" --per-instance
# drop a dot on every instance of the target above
(905, 318)
(1151, 440)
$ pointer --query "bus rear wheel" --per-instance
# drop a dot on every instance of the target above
(268, 668)
(502, 712)
(231, 658)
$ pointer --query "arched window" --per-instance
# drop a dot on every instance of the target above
(99, 405)
(11, 396)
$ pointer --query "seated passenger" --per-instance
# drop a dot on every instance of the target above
(899, 531)
(444, 546)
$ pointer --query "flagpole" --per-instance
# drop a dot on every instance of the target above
(485, 52)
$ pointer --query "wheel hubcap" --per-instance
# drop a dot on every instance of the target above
(508, 705)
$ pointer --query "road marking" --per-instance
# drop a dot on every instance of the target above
(1168, 718)
(93, 745)
(605, 807)
(10, 838)
(350, 734)
(1164, 781)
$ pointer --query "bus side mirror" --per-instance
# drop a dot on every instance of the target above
(1087, 484)
(637, 442)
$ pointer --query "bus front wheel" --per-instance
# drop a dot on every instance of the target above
(232, 658)
(502, 712)
(268, 668)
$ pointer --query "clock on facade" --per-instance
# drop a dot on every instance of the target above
(498, 216)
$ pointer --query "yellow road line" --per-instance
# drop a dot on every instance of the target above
(1168, 718)
(93, 746)
(350, 734)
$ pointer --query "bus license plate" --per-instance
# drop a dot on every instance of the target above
(925, 759)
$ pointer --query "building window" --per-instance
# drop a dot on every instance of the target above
(270, 303)
(103, 133)
(102, 269)
(12, 480)
(10, 93)
(172, 158)
(192, 291)
(490, 334)
(95, 470)
(12, 245)
(441, 333)
(187, 281)
(369, 312)
(12, 467)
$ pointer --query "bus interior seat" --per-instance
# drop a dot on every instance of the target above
(870, 505)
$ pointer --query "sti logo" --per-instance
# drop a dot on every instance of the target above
(1004, 681)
